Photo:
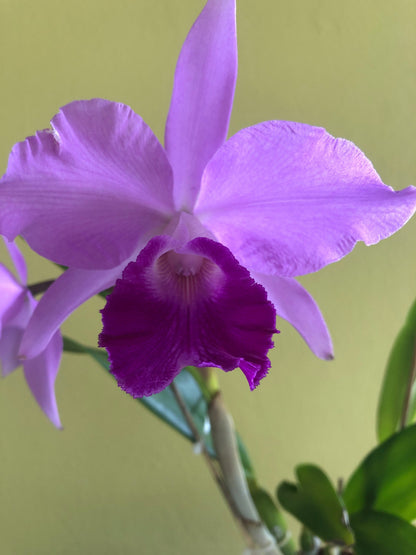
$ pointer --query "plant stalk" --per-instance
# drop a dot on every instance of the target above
(225, 444)
(217, 476)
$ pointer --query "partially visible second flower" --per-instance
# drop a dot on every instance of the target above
(16, 308)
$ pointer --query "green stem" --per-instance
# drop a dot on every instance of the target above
(226, 448)
(210, 379)
(210, 463)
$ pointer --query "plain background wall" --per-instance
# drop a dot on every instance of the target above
(116, 480)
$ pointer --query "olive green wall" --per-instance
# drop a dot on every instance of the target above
(116, 480)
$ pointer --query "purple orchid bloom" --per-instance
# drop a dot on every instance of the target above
(16, 308)
(205, 236)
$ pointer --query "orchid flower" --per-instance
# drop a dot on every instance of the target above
(16, 308)
(202, 237)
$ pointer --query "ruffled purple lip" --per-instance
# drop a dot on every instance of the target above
(192, 306)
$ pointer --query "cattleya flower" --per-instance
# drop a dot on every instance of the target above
(16, 308)
(202, 238)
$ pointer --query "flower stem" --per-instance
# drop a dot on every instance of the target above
(212, 466)
(225, 444)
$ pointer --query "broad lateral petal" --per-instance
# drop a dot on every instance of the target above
(293, 303)
(194, 305)
(287, 198)
(86, 193)
(202, 97)
(40, 373)
(67, 293)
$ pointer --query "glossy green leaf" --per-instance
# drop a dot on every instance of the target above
(386, 479)
(316, 504)
(273, 519)
(378, 533)
(72, 346)
(245, 460)
(164, 404)
(309, 543)
(395, 396)
(412, 404)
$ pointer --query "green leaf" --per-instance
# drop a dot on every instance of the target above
(412, 404)
(72, 346)
(386, 478)
(395, 396)
(245, 460)
(378, 533)
(316, 504)
(309, 543)
(164, 404)
(273, 519)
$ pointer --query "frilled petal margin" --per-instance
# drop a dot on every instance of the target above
(185, 305)
(293, 303)
(202, 97)
(67, 293)
(85, 193)
(40, 373)
(287, 198)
